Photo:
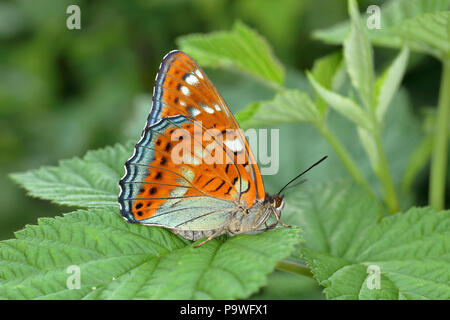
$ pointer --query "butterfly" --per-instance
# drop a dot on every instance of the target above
(192, 171)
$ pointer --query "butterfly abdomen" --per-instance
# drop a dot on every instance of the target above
(193, 235)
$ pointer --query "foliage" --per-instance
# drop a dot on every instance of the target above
(346, 238)
(394, 13)
(424, 26)
(349, 228)
(118, 260)
(241, 47)
(87, 182)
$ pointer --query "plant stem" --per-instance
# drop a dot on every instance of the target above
(440, 142)
(294, 267)
(382, 171)
(345, 157)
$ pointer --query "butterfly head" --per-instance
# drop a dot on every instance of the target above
(276, 205)
(277, 202)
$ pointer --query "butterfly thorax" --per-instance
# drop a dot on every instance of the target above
(255, 218)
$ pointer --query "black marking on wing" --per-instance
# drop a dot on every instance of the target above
(220, 186)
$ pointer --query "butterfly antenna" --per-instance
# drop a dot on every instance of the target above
(287, 184)
(295, 185)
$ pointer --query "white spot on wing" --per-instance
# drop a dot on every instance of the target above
(194, 111)
(208, 109)
(237, 185)
(187, 173)
(199, 73)
(185, 90)
(178, 192)
(183, 103)
(216, 106)
(192, 80)
(234, 145)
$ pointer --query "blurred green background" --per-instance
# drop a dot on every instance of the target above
(63, 92)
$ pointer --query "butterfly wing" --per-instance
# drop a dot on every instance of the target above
(218, 173)
(157, 191)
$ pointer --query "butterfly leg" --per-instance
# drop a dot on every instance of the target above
(217, 233)
(272, 226)
(279, 221)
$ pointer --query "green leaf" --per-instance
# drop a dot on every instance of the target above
(388, 84)
(290, 106)
(392, 13)
(359, 57)
(327, 72)
(88, 182)
(325, 69)
(428, 33)
(345, 239)
(341, 104)
(119, 260)
(242, 48)
(318, 208)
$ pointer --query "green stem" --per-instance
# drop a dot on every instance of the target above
(440, 142)
(382, 171)
(344, 156)
(294, 267)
